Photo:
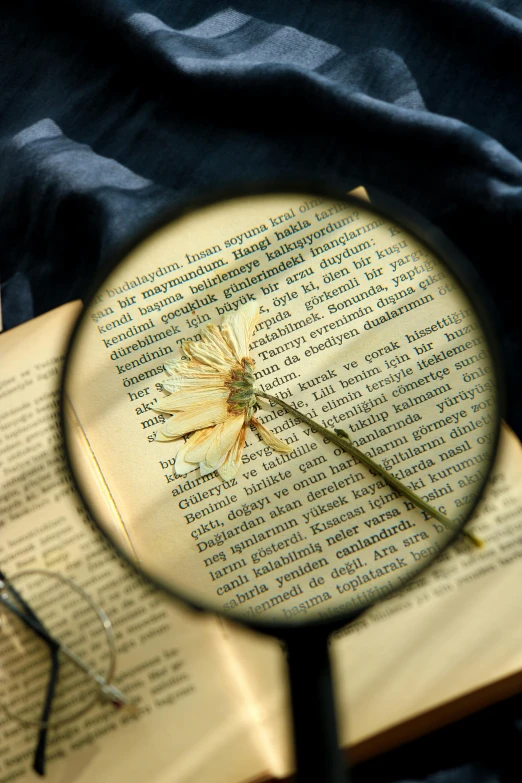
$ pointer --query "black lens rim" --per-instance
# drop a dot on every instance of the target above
(383, 205)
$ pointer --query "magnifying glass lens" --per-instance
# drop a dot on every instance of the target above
(219, 492)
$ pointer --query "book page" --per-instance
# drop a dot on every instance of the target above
(361, 329)
(192, 724)
(454, 635)
(448, 645)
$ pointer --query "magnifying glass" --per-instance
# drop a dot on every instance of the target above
(281, 406)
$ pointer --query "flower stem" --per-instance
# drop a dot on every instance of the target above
(341, 439)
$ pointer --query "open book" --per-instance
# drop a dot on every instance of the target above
(213, 700)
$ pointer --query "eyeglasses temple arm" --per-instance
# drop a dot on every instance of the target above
(39, 754)
(29, 611)
(31, 619)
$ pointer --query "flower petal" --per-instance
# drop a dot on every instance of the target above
(188, 458)
(172, 366)
(187, 367)
(238, 328)
(270, 439)
(204, 469)
(232, 462)
(194, 380)
(183, 400)
(161, 438)
(224, 439)
(198, 450)
(184, 382)
(211, 334)
(207, 354)
(194, 419)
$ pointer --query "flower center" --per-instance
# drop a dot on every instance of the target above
(241, 385)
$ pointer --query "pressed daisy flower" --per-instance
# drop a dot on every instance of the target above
(212, 395)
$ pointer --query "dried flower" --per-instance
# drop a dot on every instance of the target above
(212, 395)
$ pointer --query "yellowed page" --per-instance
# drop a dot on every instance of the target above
(193, 724)
(450, 644)
(99, 498)
(360, 192)
(360, 328)
(458, 630)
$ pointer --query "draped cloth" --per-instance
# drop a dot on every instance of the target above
(112, 110)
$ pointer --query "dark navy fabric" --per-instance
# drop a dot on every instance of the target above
(111, 110)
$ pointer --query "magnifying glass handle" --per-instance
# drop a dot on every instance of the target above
(318, 757)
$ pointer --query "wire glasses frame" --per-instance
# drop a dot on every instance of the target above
(12, 600)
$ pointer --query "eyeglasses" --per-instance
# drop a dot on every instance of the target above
(57, 653)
